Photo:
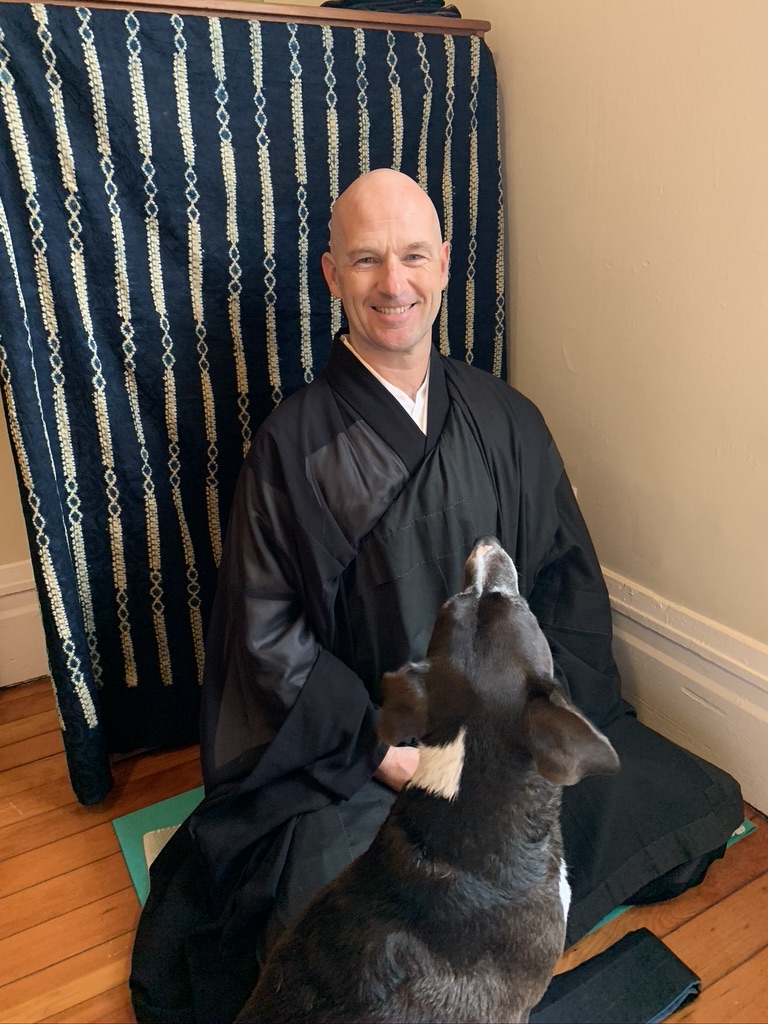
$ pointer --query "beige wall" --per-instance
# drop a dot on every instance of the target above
(637, 172)
(13, 538)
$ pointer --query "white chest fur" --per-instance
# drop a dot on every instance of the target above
(440, 768)
(565, 890)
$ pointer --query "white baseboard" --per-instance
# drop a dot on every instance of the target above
(694, 681)
(22, 643)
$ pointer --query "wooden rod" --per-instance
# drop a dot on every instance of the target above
(332, 16)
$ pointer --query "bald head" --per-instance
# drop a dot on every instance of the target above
(386, 191)
(388, 264)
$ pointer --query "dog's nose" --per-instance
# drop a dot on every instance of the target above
(482, 549)
(489, 568)
(483, 545)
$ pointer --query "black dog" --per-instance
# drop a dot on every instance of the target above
(457, 910)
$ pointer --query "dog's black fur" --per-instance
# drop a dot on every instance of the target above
(456, 911)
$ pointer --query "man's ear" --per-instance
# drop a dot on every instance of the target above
(565, 747)
(445, 262)
(329, 272)
(404, 704)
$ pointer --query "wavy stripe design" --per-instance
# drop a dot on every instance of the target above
(450, 97)
(154, 256)
(229, 175)
(42, 549)
(268, 211)
(396, 102)
(474, 185)
(426, 111)
(297, 111)
(196, 291)
(332, 127)
(98, 384)
(70, 495)
(364, 120)
(123, 306)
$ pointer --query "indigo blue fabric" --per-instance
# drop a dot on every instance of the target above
(637, 980)
(165, 185)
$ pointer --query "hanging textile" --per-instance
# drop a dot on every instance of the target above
(165, 185)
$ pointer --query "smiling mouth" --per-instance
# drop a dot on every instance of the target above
(393, 310)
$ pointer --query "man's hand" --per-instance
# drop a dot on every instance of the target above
(398, 766)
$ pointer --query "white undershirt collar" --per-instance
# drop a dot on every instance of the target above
(416, 409)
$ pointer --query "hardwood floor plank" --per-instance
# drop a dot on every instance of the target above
(67, 936)
(42, 829)
(56, 859)
(57, 896)
(742, 863)
(113, 1006)
(726, 935)
(32, 701)
(50, 795)
(740, 997)
(14, 754)
(143, 765)
(68, 982)
(38, 773)
(31, 802)
(30, 725)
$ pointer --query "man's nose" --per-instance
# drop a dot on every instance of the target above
(392, 277)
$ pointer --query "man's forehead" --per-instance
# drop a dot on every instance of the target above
(376, 230)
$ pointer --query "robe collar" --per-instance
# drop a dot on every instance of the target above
(371, 401)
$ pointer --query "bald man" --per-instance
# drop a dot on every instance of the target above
(357, 504)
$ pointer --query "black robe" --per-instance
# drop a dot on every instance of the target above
(349, 528)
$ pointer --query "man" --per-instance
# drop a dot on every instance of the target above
(357, 505)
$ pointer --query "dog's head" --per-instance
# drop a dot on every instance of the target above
(489, 667)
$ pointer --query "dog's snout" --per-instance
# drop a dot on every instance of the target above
(489, 568)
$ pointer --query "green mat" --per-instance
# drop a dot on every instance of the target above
(132, 828)
(167, 814)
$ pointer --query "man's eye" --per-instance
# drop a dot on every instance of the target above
(415, 257)
(365, 261)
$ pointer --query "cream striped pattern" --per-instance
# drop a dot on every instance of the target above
(426, 110)
(79, 277)
(48, 569)
(152, 227)
(363, 117)
(332, 126)
(396, 102)
(195, 264)
(268, 210)
(51, 328)
(474, 187)
(450, 97)
(123, 304)
(297, 113)
(233, 235)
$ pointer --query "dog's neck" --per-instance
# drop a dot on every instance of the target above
(445, 816)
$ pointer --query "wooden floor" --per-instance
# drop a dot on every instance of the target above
(68, 910)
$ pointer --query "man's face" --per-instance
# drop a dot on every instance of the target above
(387, 264)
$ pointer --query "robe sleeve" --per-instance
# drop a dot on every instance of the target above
(276, 702)
(541, 526)
(570, 601)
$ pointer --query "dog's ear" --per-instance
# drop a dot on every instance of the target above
(404, 704)
(565, 747)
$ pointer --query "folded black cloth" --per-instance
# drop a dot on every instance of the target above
(638, 980)
(427, 7)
